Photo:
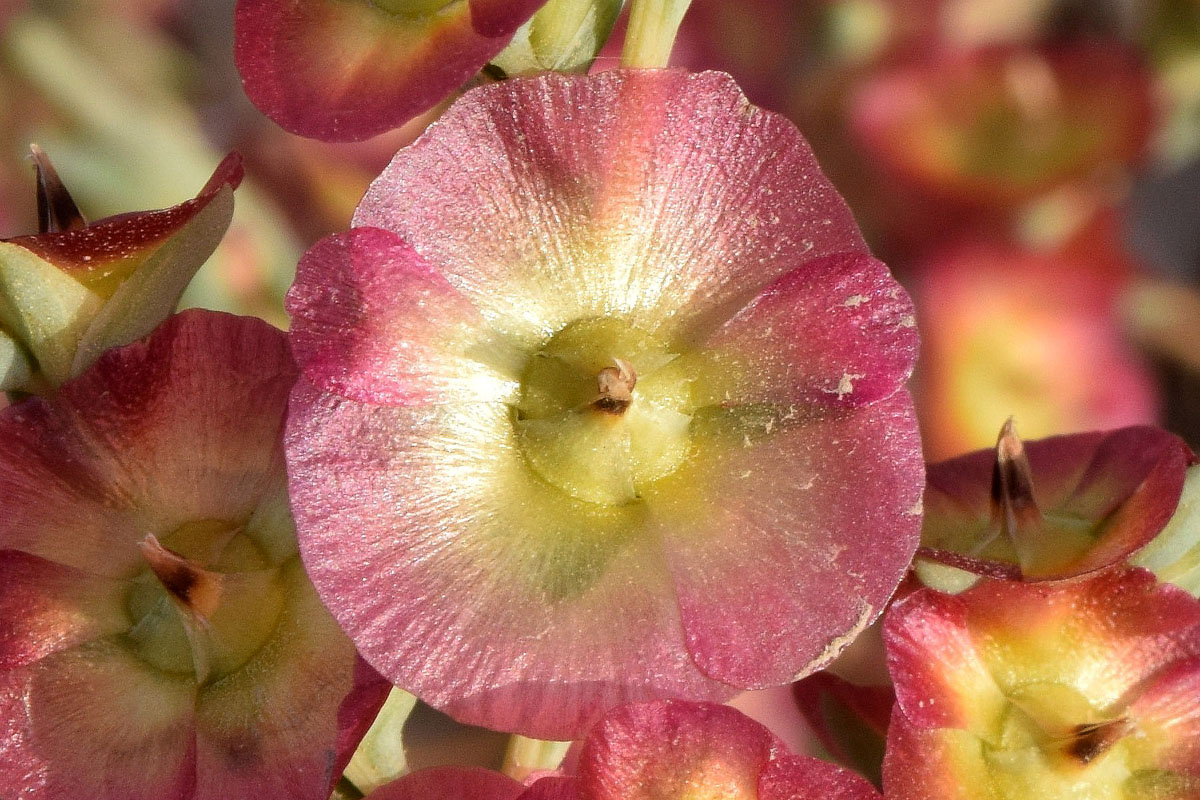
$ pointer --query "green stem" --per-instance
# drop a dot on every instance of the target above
(650, 38)
(345, 790)
(526, 756)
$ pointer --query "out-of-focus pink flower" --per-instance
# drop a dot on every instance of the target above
(1015, 690)
(972, 135)
(602, 400)
(344, 70)
(161, 640)
(1008, 330)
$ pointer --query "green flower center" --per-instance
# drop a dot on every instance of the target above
(603, 411)
(413, 8)
(208, 605)
(1053, 742)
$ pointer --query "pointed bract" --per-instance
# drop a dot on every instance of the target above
(1083, 502)
(69, 295)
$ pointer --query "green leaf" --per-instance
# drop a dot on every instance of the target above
(45, 309)
(564, 36)
(15, 368)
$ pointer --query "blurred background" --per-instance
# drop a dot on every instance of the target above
(1030, 169)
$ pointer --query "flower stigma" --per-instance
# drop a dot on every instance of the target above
(206, 600)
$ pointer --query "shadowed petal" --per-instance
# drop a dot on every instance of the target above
(150, 439)
(253, 736)
(143, 719)
(344, 71)
(850, 720)
(46, 607)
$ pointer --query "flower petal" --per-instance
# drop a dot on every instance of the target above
(799, 776)
(450, 783)
(44, 308)
(851, 721)
(501, 17)
(675, 749)
(553, 788)
(96, 722)
(941, 681)
(176, 436)
(786, 531)
(1168, 713)
(148, 440)
(1103, 495)
(656, 195)
(46, 607)
(103, 254)
(837, 331)
(923, 763)
(276, 727)
(371, 321)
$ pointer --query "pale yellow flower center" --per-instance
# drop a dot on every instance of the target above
(602, 412)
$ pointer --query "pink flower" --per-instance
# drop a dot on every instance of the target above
(1012, 330)
(996, 126)
(1010, 691)
(159, 638)
(602, 400)
(1054, 508)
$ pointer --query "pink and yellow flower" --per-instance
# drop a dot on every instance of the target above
(159, 639)
(1011, 691)
(602, 400)
(995, 127)
(1012, 330)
